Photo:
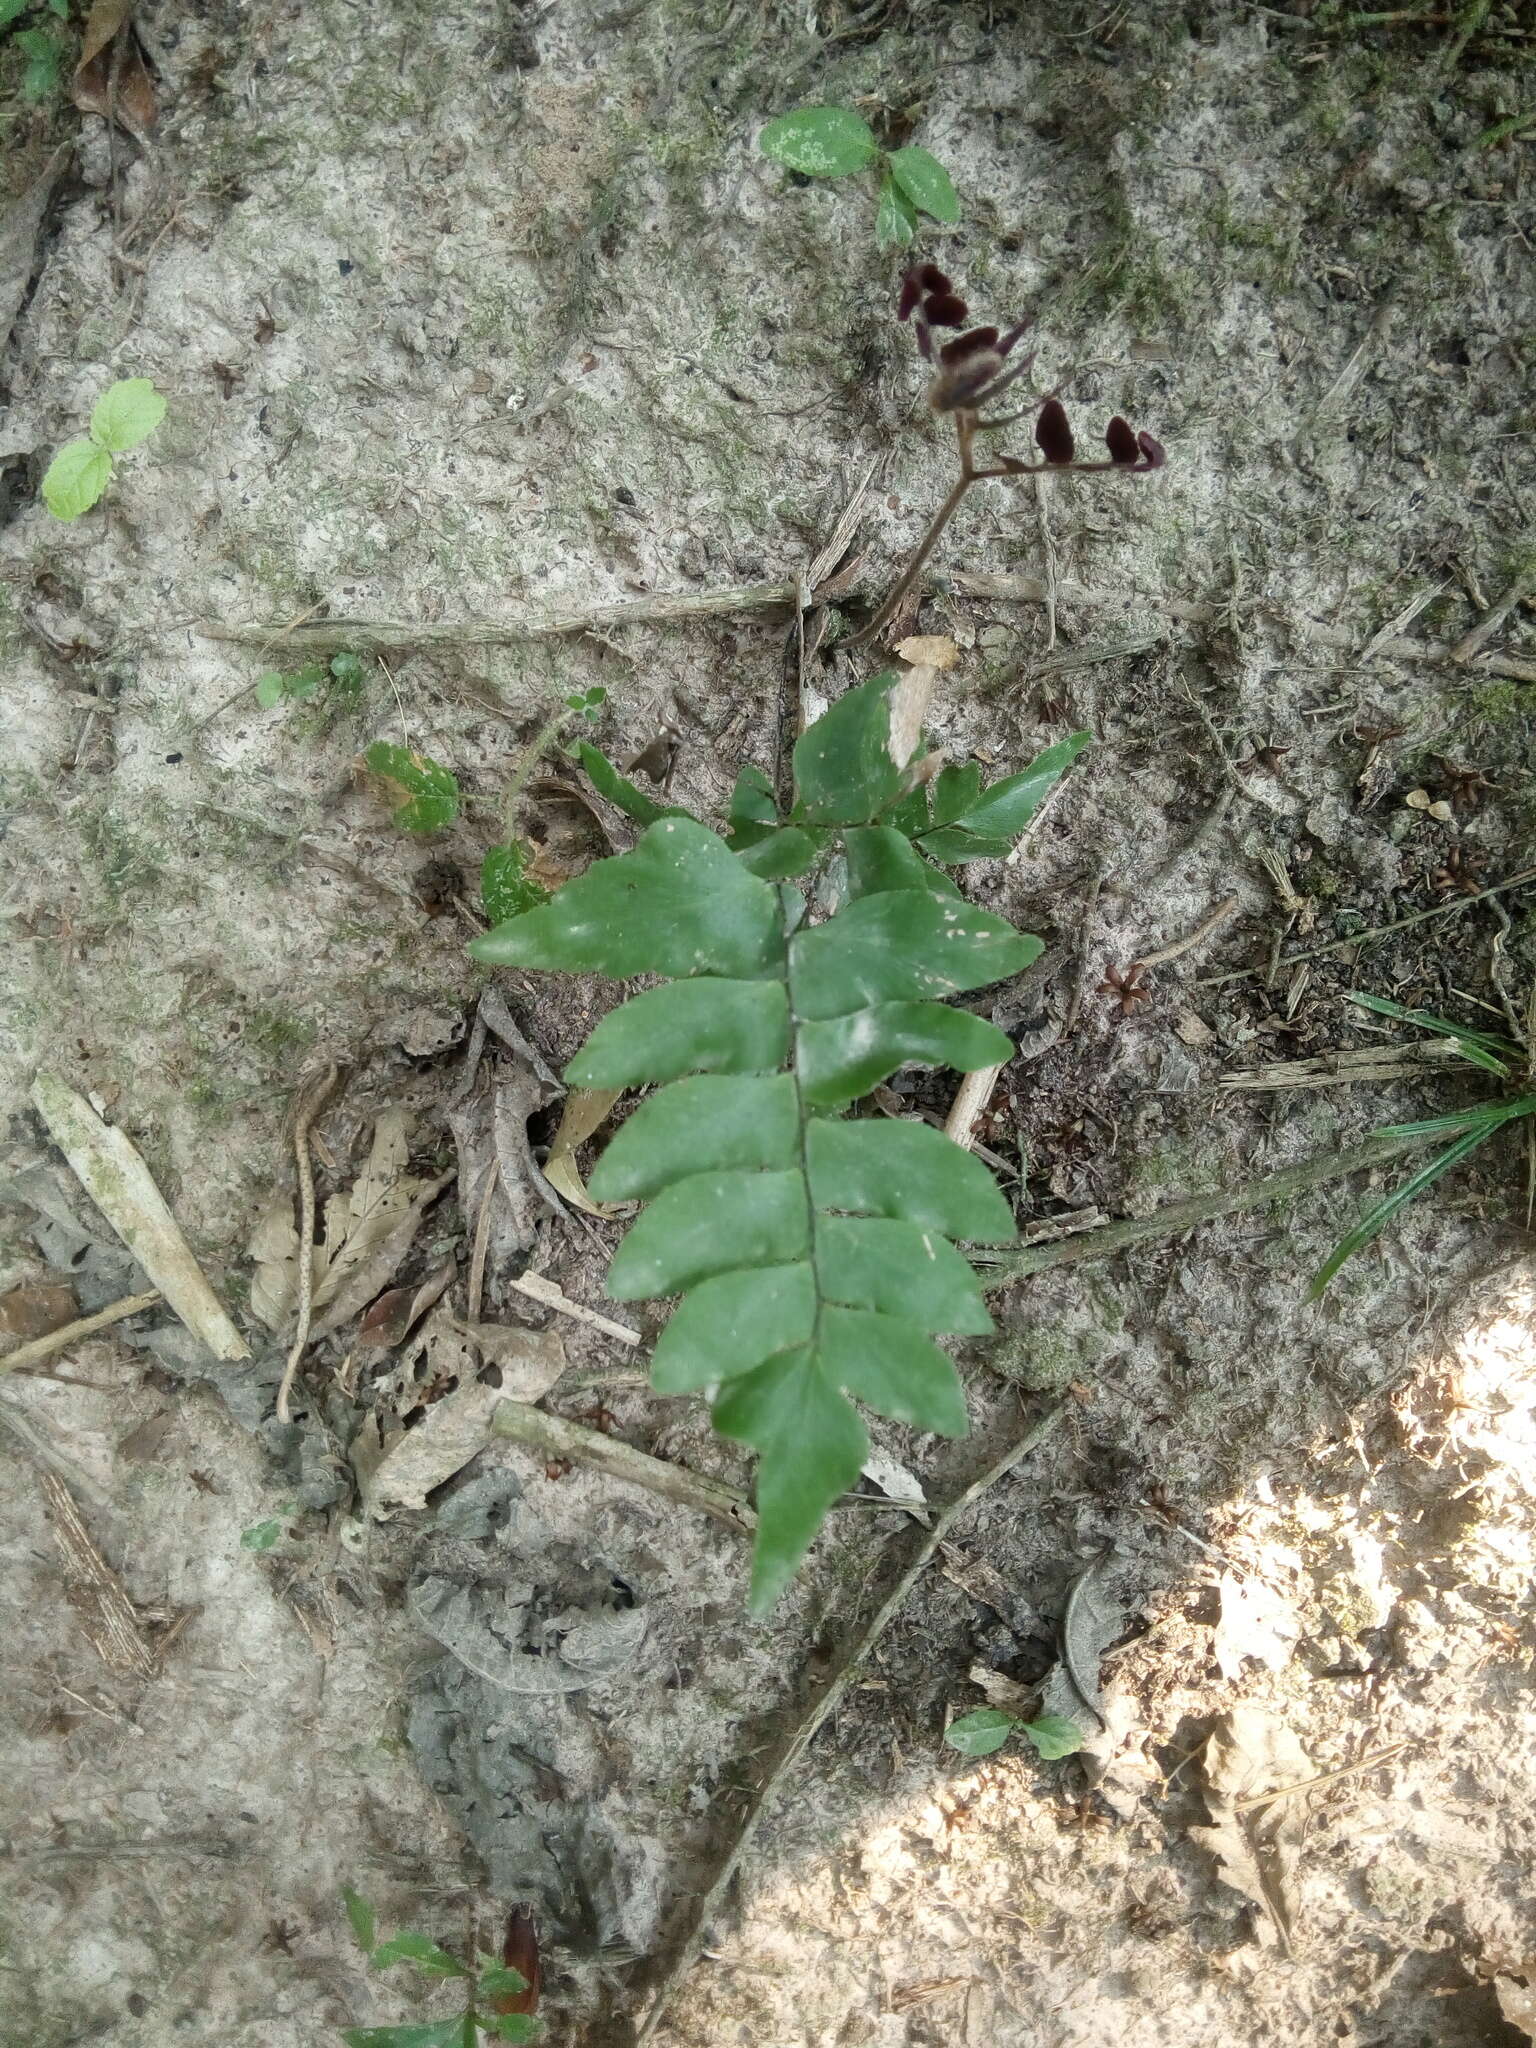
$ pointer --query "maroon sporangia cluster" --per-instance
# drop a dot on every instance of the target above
(973, 370)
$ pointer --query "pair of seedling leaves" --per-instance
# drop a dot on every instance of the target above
(813, 1250)
(485, 1990)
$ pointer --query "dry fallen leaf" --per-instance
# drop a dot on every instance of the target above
(584, 1111)
(35, 1311)
(897, 1484)
(122, 1187)
(1517, 2000)
(395, 1314)
(112, 78)
(358, 1223)
(929, 650)
(398, 1465)
(1250, 1752)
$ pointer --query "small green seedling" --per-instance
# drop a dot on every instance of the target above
(988, 1728)
(812, 1247)
(833, 142)
(126, 414)
(1468, 1128)
(487, 1989)
(44, 47)
(266, 1535)
(343, 674)
(430, 791)
(506, 887)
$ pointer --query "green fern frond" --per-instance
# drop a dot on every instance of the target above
(813, 1253)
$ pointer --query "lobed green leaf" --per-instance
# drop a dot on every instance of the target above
(711, 1223)
(841, 1058)
(506, 888)
(844, 774)
(420, 1949)
(981, 1731)
(901, 946)
(679, 903)
(899, 1270)
(360, 1913)
(908, 1171)
(925, 183)
(785, 851)
(415, 2034)
(710, 1123)
(881, 858)
(126, 413)
(1003, 810)
(431, 791)
(75, 479)
(819, 142)
(733, 1322)
(890, 1367)
(811, 1447)
(701, 1026)
(895, 219)
(623, 794)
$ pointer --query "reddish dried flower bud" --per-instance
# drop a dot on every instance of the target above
(1053, 436)
(970, 344)
(1120, 439)
(945, 310)
(1153, 452)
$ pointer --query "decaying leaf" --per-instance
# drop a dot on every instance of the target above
(433, 1413)
(1003, 1692)
(358, 1226)
(1248, 1753)
(584, 1112)
(395, 1314)
(1255, 1621)
(35, 1311)
(929, 650)
(122, 1187)
(897, 1483)
(112, 78)
(1089, 1626)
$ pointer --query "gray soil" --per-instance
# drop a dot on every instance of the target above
(496, 311)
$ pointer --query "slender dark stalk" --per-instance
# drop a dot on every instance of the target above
(965, 428)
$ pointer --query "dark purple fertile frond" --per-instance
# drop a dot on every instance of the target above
(1120, 439)
(911, 295)
(1053, 434)
(1153, 452)
(1014, 334)
(970, 344)
(944, 309)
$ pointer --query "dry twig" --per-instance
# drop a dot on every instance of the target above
(311, 1102)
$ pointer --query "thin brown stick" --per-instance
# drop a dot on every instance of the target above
(965, 428)
(1379, 931)
(1179, 947)
(74, 1333)
(1176, 1217)
(374, 635)
(1471, 644)
(310, 1105)
(1366, 1763)
(686, 1949)
(553, 1437)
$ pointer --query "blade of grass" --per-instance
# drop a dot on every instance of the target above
(1495, 1049)
(1489, 1119)
(1376, 1219)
